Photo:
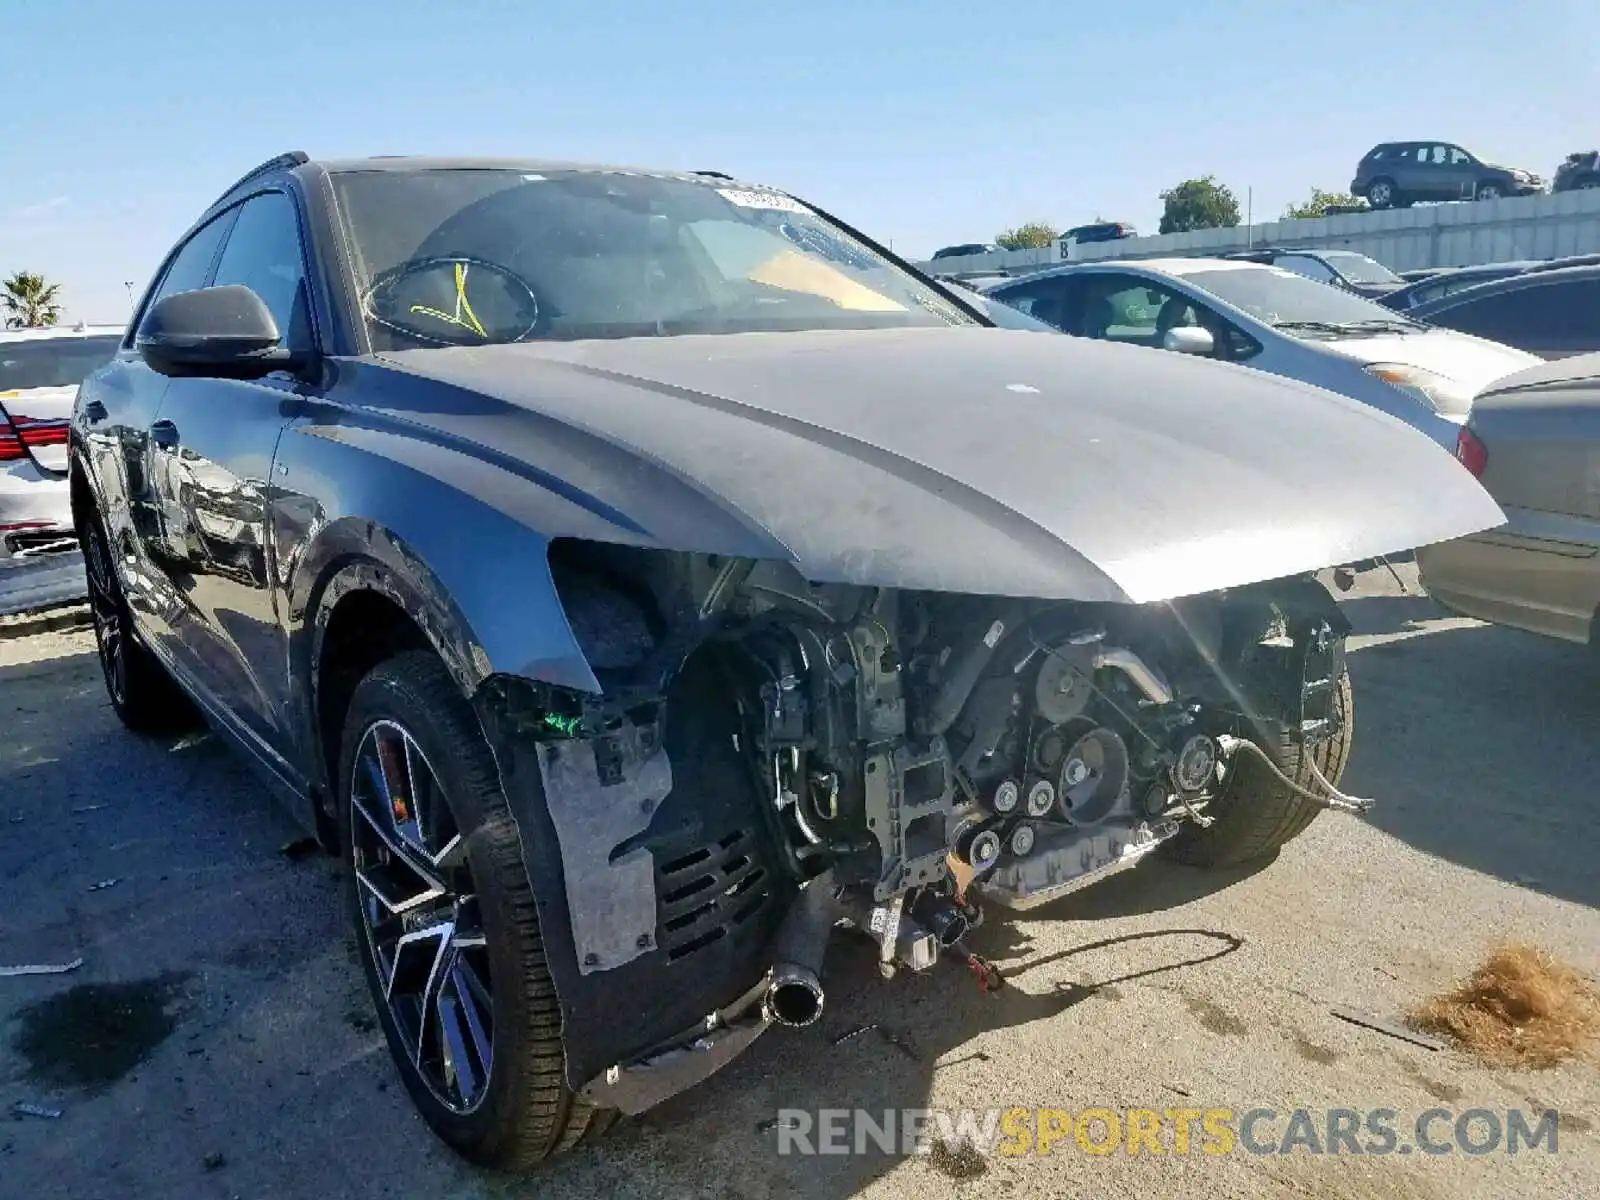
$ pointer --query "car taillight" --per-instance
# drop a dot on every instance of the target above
(1474, 455)
(22, 432)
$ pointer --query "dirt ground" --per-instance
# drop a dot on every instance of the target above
(227, 1047)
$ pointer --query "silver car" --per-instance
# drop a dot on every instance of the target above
(1534, 443)
(1277, 321)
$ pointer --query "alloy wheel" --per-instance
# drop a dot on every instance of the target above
(105, 610)
(420, 916)
(1380, 195)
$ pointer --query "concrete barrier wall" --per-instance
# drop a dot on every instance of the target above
(1402, 239)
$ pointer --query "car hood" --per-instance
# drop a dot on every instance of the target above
(1472, 361)
(967, 460)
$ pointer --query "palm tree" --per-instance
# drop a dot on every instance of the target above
(29, 301)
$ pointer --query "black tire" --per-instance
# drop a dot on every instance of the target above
(1489, 190)
(142, 694)
(526, 1112)
(1382, 193)
(1256, 815)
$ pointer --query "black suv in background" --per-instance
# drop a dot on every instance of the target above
(1578, 172)
(1394, 174)
(965, 249)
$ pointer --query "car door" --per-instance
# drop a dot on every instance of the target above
(115, 409)
(211, 448)
(1460, 172)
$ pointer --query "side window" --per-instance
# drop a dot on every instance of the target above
(1568, 312)
(1300, 264)
(1048, 300)
(263, 253)
(1459, 157)
(192, 264)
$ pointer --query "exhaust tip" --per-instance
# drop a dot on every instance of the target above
(794, 999)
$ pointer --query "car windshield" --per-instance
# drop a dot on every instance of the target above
(475, 256)
(1297, 305)
(1358, 268)
(52, 362)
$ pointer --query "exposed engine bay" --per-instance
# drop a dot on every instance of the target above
(916, 759)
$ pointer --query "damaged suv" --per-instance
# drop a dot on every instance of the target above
(636, 575)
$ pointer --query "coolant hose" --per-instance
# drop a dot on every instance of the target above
(795, 995)
(1331, 798)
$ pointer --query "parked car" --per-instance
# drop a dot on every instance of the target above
(966, 249)
(1355, 272)
(1396, 174)
(1449, 281)
(1534, 442)
(1577, 172)
(621, 656)
(1551, 313)
(1275, 321)
(1098, 231)
(40, 370)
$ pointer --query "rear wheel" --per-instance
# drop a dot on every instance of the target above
(1256, 815)
(1381, 193)
(448, 925)
(142, 694)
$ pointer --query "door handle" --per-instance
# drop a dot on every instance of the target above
(164, 434)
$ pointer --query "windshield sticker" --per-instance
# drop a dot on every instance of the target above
(749, 198)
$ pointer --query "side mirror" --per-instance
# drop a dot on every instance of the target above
(226, 331)
(1189, 339)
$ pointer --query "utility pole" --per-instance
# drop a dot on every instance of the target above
(1249, 217)
(128, 283)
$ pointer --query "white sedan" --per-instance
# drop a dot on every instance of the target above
(1274, 320)
(40, 370)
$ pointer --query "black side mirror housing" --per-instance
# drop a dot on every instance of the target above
(226, 332)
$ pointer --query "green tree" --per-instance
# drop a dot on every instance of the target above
(1198, 204)
(1319, 203)
(1035, 235)
(29, 302)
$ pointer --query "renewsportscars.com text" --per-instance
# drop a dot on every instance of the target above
(1013, 1132)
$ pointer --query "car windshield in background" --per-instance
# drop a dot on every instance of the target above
(464, 257)
(52, 362)
(1298, 305)
(1358, 268)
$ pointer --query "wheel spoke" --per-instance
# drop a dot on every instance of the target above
(420, 912)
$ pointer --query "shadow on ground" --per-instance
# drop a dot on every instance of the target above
(1476, 741)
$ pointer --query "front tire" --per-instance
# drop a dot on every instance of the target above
(1256, 815)
(1490, 191)
(448, 925)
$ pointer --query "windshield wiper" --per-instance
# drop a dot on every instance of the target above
(1333, 327)
(1398, 324)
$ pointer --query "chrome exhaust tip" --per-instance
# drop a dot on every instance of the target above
(794, 997)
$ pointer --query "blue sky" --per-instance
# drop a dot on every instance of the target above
(923, 123)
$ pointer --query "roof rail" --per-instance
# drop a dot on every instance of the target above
(293, 158)
(713, 174)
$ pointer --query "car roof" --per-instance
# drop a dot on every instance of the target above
(409, 163)
(52, 332)
(1159, 266)
(1511, 283)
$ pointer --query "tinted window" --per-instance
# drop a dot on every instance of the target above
(467, 257)
(1047, 300)
(1459, 157)
(189, 269)
(52, 362)
(263, 253)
